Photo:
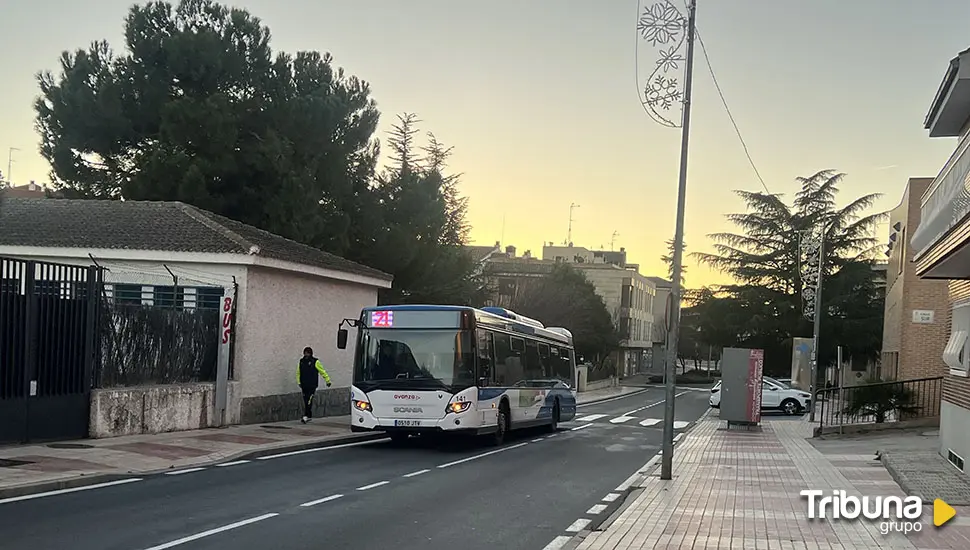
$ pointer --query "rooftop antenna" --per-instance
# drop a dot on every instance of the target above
(569, 234)
(10, 165)
(613, 240)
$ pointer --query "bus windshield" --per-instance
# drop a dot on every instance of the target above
(415, 359)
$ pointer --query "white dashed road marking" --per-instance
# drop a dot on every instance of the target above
(611, 497)
(622, 419)
(558, 543)
(591, 417)
(578, 525)
(320, 501)
(372, 485)
(414, 474)
(680, 424)
(580, 427)
(597, 509)
(483, 455)
(210, 532)
(650, 422)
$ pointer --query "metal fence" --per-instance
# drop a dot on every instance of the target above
(48, 348)
(880, 403)
(157, 335)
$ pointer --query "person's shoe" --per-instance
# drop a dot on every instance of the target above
(303, 420)
(309, 419)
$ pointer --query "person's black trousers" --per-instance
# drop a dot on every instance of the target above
(308, 400)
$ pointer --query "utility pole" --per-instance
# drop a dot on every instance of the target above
(613, 239)
(569, 234)
(666, 468)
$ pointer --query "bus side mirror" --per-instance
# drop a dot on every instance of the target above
(342, 338)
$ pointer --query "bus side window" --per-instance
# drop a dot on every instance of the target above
(504, 359)
(486, 364)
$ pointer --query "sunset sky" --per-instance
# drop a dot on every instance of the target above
(540, 100)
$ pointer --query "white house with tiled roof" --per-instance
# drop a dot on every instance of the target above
(287, 295)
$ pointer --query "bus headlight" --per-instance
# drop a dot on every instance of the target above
(363, 406)
(457, 407)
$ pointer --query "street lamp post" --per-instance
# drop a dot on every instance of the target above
(813, 245)
(665, 28)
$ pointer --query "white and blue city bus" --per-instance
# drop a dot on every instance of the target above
(427, 369)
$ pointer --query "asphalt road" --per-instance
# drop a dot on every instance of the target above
(373, 495)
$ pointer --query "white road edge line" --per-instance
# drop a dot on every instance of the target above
(318, 449)
(580, 427)
(596, 509)
(538, 439)
(320, 501)
(677, 437)
(483, 455)
(611, 497)
(233, 463)
(558, 543)
(71, 490)
(210, 532)
(372, 485)
(419, 472)
(578, 525)
(187, 471)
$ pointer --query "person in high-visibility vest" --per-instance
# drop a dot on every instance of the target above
(307, 373)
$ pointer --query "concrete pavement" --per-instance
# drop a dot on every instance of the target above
(740, 489)
(368, 494)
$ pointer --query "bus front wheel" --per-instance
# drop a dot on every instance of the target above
(502, 425)
(556, 414)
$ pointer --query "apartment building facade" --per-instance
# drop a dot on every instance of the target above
(628, 295)
(915, 329)
(942, 251)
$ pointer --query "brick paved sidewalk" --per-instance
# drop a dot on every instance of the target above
(736, 489)
(27, 469)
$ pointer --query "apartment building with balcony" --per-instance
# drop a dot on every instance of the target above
(915, 328)
(941, 245)
(628, 295)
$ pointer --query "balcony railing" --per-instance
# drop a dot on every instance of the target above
(947, 200)
(880, 403)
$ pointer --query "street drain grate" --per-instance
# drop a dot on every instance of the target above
(70, 446)
(10, 463)
(277, 427)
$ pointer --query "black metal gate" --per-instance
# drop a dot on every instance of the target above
(48, 329)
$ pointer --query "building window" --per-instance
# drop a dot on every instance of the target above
(955, 353)
(127, 294)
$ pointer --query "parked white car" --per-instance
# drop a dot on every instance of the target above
(775, 396)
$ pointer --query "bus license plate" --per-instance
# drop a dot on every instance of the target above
(407, 423)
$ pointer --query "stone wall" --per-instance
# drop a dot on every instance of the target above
(158, 409)
(332, 401)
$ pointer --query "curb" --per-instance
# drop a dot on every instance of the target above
(84, 480)
(633, 485)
